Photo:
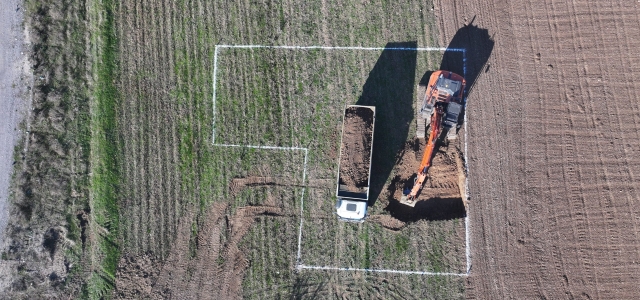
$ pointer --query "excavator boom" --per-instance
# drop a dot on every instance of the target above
(436, 126)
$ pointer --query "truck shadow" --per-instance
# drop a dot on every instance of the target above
(478, 45)
(389, 88)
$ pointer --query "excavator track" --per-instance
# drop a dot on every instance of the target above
(421, 122)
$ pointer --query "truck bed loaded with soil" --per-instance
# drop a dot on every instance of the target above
(355, 162)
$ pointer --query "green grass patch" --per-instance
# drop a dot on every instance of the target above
(105, 154)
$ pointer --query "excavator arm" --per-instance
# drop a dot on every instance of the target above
(436, 127)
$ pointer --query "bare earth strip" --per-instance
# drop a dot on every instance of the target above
(554, 126)
(13, 96)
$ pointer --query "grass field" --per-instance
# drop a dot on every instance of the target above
(273, 97)
(143, 172)
(165, 212)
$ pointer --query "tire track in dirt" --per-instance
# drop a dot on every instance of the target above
(533, 236)
(169, 137)
(136, 119)
(157, 138)
(170, 56)
(130, 111)
(563, 141)
(146, 142)
(610, 215)
(486, 129)
(183, 277)
(178, 194)
(153, 144)
(614, 232)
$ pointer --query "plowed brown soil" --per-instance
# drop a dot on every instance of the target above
(355, 157)
(553, 128)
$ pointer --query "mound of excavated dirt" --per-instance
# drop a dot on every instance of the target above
(440, 197)
(443, 175)
(355, 155)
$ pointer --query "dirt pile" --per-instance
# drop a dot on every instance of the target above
(443, 176)
(355, 155)
(440, 197)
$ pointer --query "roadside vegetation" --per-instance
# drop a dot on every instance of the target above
(63, 233)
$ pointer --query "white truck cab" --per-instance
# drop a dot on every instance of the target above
(351, 210)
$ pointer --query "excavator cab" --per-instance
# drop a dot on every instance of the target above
(444, 87)
(447, 87)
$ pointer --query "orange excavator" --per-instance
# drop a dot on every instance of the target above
(442, 101)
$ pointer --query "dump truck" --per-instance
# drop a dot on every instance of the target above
(441, 101)
(354, 166)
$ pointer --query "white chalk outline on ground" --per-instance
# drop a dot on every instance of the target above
(299, 265)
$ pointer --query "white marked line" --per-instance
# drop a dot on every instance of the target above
(303, 267)
(467, 236)
(304, 178)
(304, 170)
(466, 195)
(264, 147)
(342, 48)
(468, 249)
(298, 258)
(215, 72)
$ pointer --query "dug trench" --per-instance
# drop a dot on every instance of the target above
(441, 196)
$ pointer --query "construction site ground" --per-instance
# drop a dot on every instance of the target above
(234, 197)
(149, 175)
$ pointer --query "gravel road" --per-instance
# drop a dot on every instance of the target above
(13, 95)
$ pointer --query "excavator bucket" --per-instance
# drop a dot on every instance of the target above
(406, 200)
